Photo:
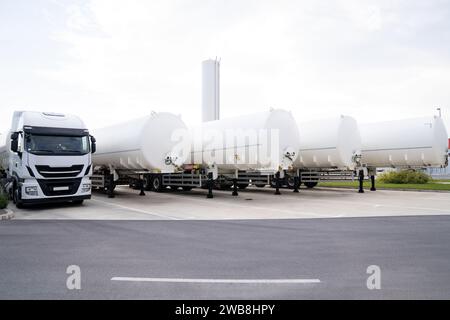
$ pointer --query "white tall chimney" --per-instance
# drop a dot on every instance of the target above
(210, 90)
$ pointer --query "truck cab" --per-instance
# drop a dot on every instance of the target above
(47, 158)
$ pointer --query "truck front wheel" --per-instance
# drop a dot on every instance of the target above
(17, 198)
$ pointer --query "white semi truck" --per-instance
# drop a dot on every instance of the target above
(46, 157)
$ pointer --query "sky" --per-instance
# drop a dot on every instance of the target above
(112, 60)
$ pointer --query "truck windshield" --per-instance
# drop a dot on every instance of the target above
(61, 145)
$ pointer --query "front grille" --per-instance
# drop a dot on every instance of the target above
(60, 172)
(64, 187)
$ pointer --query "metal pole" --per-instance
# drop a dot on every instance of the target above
(210, 185)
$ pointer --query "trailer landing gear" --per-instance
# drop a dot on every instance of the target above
(210, 186)
(142, 187)
(296, 184)
(372, 181)
(235, 187)
(361, 181)
(277, 183)
(111, 186)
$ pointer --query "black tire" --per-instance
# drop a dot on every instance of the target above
(187, 188)
(225, 186)
(17, 198)
(260, 185)
(147, 183)
(273, 183)
(78, 202)
(290, 182)
(157, 185)
(310, 185)
(242, 186)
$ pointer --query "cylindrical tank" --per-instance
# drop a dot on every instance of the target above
(333, 143)
(210, 90)
(265, 141)
(146, 143)
(414, 142)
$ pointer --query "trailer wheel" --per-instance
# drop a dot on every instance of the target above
(273, 184)
(225, 186)
(147, 183)
(310, 185)
(290, 182)
(242, 186)
(157, 184)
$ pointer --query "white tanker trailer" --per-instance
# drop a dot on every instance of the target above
(148, 153)
(330, 149)
(409, 143)
(129, 152)
(247, 149)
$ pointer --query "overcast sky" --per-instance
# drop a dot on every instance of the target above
(109, 61)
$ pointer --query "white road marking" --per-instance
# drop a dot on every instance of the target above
(242, 281)
(136, 210)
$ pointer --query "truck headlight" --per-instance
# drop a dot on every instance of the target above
(31, 191)
(86, 187)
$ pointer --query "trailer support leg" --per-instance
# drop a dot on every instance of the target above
(210, 186)
(141, 185)
(372, 180)
(296, 184)
(361, 181)
(111, 186)
(235, 192)
(277, 183)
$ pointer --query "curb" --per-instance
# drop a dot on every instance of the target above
(6, 214)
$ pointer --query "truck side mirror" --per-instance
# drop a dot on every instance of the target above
(15, 142)
(93, 144)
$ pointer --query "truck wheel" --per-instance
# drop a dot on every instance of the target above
(187, 188)
(310, 185)
(260, 185)
(242, 186)
(157, 184)
(17, 198)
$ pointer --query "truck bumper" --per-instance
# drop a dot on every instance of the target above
(55, 200)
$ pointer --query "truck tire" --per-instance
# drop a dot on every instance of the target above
(310, 185)
(260, 185)
(17, 198)
(243, 186)
(187, 188)
(157, 185)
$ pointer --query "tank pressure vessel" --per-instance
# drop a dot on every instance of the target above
(146, 143)
(265, 141)
(333, 143)
(418, 142)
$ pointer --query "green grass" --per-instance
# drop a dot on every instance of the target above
(3, 200)
(354, 184)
